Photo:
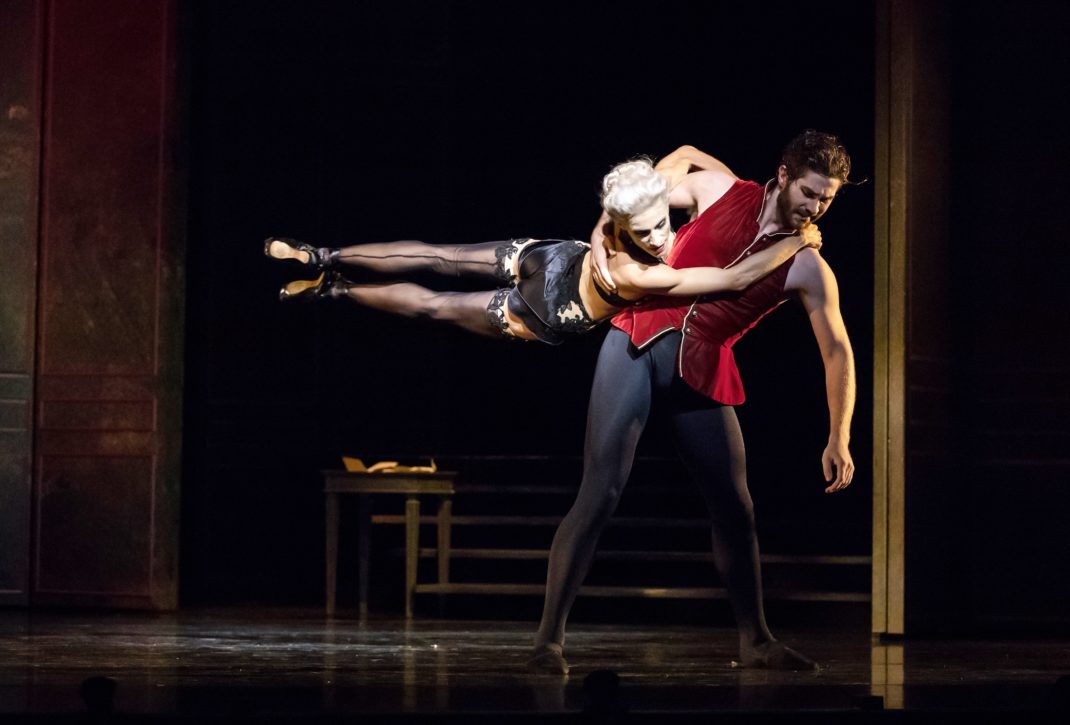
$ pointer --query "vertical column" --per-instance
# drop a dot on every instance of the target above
(881, 327)
(108, 418)
(20, 123)
(912, 450)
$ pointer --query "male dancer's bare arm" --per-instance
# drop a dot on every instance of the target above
(813, 279)
(681, 162)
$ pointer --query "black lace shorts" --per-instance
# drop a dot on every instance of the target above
(545, 294)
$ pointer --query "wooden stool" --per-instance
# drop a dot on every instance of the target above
(365, 485)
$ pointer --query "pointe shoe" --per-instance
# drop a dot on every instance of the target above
(548, 659)
(326, 286)
(286, 248)
(776, 656)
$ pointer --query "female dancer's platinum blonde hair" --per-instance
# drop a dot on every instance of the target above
(631, 187)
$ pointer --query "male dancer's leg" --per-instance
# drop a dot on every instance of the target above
(620, 404)
(710, 443)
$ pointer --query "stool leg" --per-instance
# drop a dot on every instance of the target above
(364, 550)
(332, 551)
(412, 549)
(445, 512)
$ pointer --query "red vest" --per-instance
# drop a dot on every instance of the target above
(719, 237)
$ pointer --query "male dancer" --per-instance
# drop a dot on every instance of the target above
(683, 354)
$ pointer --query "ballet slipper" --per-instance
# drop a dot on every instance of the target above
(548, 659)
(327, 285)
(284, 248)
(775, 656)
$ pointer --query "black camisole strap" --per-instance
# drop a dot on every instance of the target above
(613, 298)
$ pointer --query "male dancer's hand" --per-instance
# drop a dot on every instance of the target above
(837, 460)
(600, 254)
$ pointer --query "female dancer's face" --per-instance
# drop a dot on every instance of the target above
(650, 229)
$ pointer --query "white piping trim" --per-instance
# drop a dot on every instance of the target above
(655, 336)
(683, 338)
(765, 198)
(757, 220)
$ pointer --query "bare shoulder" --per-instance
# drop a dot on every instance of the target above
(810, 273)
(709, 183)
(700, 190)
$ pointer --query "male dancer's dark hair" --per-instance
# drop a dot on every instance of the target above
(816, 151)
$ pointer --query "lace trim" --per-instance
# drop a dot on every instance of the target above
(505, 258)
(496, 313)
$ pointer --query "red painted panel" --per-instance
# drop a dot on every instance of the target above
(130, 415)
(101, 193)
(109, 328)
(102, 506)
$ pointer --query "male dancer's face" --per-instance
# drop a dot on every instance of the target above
(804, 200)
(651, 230)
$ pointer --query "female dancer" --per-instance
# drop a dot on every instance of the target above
(546, 287)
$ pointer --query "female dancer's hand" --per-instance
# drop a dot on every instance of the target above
(811, 236)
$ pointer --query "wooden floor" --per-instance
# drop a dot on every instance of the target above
(296, 666)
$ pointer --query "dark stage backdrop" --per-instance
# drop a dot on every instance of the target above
(987, 362)
(1006, 506)
(463, 122)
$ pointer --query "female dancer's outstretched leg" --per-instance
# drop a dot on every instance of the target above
(467, 310)
(489, 260)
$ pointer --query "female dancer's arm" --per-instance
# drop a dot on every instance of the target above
(662, 279)
(674, 167)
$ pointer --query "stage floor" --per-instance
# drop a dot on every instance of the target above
(292, 664)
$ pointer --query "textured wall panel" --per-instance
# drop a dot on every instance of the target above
(102, 182)
(109, 323)
(133, 415)
(20, 122)
(101, 506)
(14, 415)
